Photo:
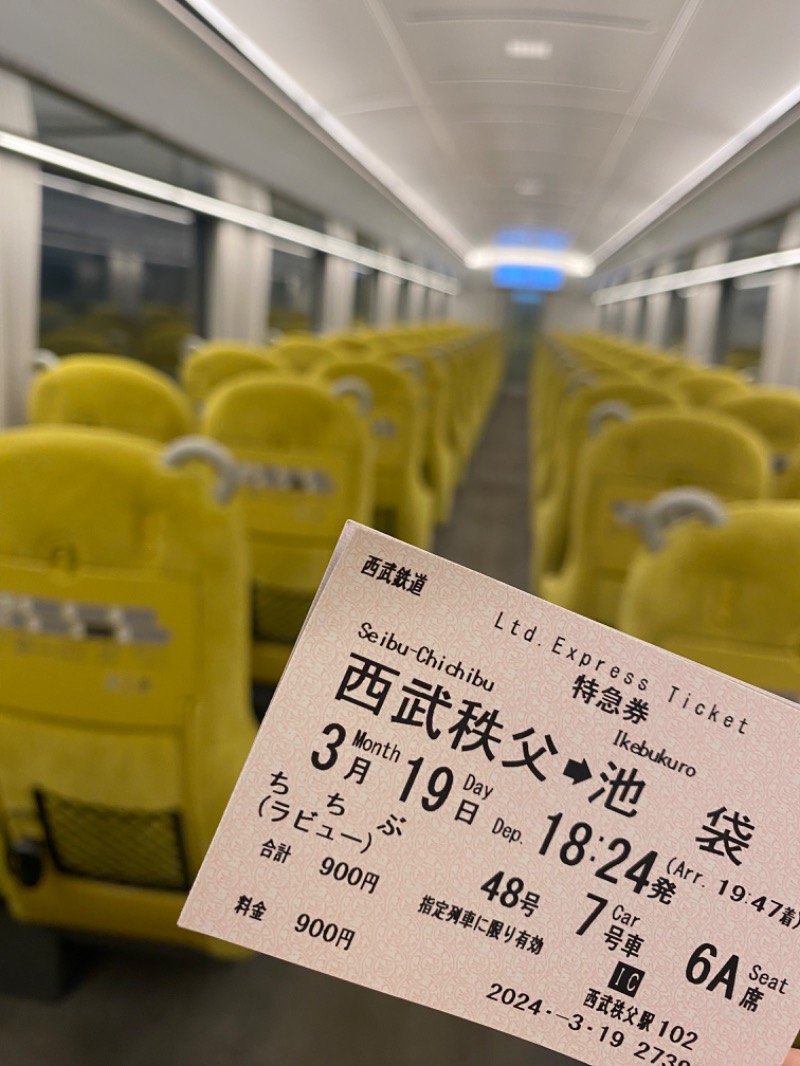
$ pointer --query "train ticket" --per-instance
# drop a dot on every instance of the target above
(477, 801)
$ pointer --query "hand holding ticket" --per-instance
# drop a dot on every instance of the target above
(477, 801)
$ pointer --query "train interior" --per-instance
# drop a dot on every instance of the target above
(519, 285)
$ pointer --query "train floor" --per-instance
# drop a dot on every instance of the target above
(142, 1008)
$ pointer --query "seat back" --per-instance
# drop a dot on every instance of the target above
(110, 392)
(708, 387)
(305, 467)
(124, 715)
(161, 340)
(403, 504)
(301, 355)
(551, 516)
(208, 366)
(727, 596)
(76, 337)
(672, 372)
(430, 372)
(774, 414)
(629, 463)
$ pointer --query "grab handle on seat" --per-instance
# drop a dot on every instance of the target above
(652, 519)
(601, 412)
(190, 343)
(354, 386)
(185, 449)
(45, 360)
(580, 380)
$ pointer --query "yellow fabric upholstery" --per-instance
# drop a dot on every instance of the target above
(124, 710)
(552, 511)
(705, 388)
(351, 345)
(212, 364)
(110, 392)
(559, 386)
(301, 355)
(159, 343)
(775, 415)
(672, 373)
(66, 340)
(429, 374)
(306, 468)
(726, 596)
(790, 477)
(630, 462)
(564, 391)
(403, 502)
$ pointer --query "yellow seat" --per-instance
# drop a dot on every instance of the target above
(726, 595)
(790, 476)
(628, 463)
(208, 366)
(429, 373)
(301, 355)
(774, 414)
(306, 468)
(708, 387)
(552, 416)
(69, 339)
(160, 342)
(124, 711)
(672, 372)
(110, 392)
(404, 505)
(350, 345)
(579, 422)
(478, 364)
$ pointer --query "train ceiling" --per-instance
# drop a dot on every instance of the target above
(587, 116)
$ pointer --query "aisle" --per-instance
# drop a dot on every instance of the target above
(489, 527)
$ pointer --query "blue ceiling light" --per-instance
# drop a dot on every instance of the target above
(520, 276)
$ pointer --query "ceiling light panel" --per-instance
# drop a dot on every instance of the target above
(567, 56)
(528, 48)
(528, 187)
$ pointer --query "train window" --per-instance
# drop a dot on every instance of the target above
(742, 317)
(743, 308)
(366, 288)
(297, 272)
(296, 288)
(675, 326)
(290, 211)
(759, 240)
(637, 330)
(402, 300)
(118, 273)
(675, 329)
(614, 314)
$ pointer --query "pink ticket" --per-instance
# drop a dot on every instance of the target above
(480, 802)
